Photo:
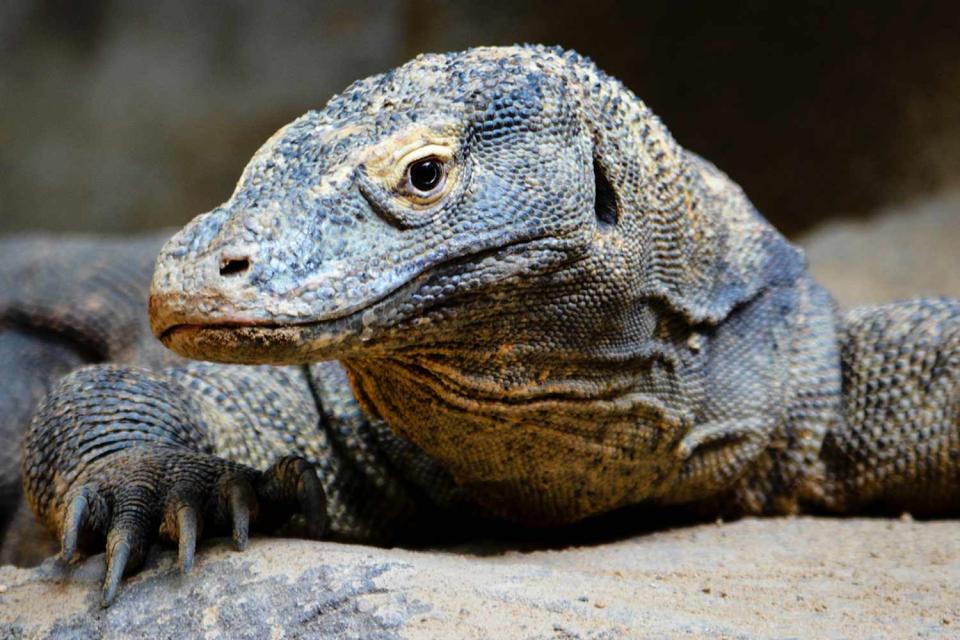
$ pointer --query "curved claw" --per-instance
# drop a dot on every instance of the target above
(187, 530)
(117, 556)
(241, 502)
(182, 522)
(313, 502)
(291, 486)
(128, 533)
(72, 522)
(87, 512)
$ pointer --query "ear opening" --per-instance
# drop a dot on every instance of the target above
(703, 248)
(605, 199)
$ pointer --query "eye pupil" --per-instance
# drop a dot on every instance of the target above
(425, 175)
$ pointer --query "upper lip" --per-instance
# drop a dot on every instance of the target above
(164, 322)
(226, 324)
(169, 322)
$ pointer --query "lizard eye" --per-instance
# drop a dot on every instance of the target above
(425, 177)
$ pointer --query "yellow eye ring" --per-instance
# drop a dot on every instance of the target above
(426, 174)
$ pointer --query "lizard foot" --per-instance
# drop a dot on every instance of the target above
(145, 493)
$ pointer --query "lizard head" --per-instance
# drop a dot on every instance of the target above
(465, 190)
(441, 181)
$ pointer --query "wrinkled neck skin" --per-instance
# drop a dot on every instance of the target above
(558, 397)
(534, 409)
(547, 399)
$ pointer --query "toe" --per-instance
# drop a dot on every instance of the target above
(186, 537)
(86, 512)
(73, 522)
(129, 534)
(182, 521)
(241, 502)
(291, 486)
(313, 502)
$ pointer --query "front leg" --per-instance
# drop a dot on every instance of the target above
(119, 456)
(897, 445)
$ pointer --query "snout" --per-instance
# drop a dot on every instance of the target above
(203, 287)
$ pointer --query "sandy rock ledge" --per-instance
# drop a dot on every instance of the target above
(769, 578)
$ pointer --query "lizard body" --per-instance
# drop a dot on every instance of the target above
(542, 308)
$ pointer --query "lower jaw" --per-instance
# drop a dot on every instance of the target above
(277, 345)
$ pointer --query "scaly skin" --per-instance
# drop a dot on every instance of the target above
(64, 303)
(577, 315)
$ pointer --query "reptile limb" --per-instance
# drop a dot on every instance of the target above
(117, 454)
(897, 447)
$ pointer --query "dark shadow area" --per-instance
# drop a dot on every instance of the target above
(489, 538)
(129, 116)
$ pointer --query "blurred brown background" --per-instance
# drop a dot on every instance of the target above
(131, 115)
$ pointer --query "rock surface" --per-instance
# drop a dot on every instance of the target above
(773, 578)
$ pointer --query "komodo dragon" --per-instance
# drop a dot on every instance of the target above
(499, 289)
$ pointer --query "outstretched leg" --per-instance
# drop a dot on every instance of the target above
(897, 444)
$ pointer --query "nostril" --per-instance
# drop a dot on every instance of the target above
(233, 266)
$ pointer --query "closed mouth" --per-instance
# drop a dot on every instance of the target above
(188, 328)
(253, 343)
(250, 340)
